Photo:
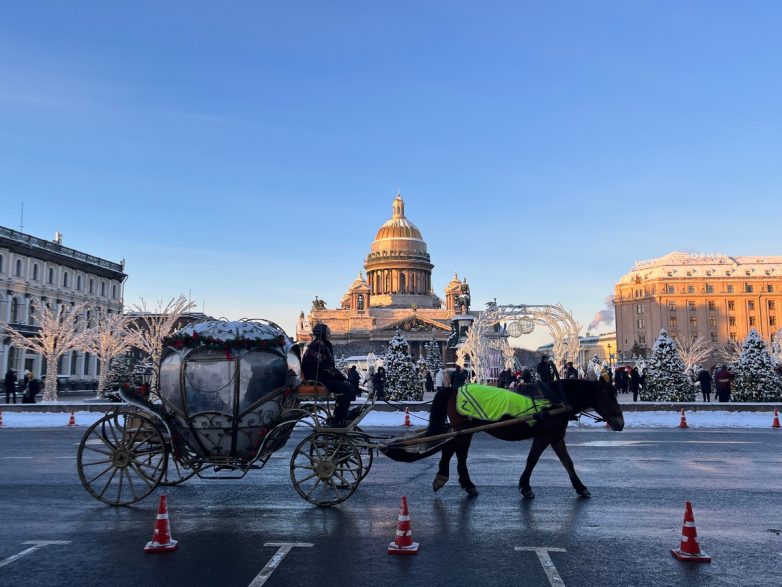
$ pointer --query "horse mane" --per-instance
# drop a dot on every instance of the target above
(579, 393)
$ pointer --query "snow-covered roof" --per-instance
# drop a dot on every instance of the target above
(711, 265)
(227, 331)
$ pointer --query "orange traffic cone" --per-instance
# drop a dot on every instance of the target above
(1, 418)
(404, 537)
(407, 416)
(683, 421)
(72, 420)
(161, 537)
(690, 550)
(774, 424)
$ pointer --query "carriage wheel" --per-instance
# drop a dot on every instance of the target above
(367, 454)
(326, 468)
(180, 470)
(121, 458)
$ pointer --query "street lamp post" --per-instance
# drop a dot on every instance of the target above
(610, 362)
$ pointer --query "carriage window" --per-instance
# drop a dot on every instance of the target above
(169, 381)
(209, 382)
(261, 373)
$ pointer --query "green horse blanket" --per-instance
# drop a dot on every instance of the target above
(493, 403)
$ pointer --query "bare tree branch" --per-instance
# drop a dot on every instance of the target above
(107, 340)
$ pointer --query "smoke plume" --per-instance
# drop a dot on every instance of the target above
(604, 316)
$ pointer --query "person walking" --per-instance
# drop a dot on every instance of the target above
(724, 378)
(379, 383)
(547, 371)
(33, 388)
(354, 379)
(704, 378)
(570, 371)
(429, 383)
(635, 382)
(439, 380)
(10, 385)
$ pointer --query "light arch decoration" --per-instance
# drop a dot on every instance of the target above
(487, 349)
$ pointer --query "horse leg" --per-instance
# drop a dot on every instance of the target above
(461, 466)
(539, 444)
(445, 463)
(564, 457)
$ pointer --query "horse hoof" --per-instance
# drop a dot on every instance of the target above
(439, 481)
(527, 493)
(472, 491)
(584, 492)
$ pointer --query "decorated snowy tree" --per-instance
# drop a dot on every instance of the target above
(434, 360)
(59, 332)
(422, 368)
(693, 351)
(665, 377)
(756, 380)
(401, 374)
(106, 340)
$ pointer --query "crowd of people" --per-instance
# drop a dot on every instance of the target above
(27, 387)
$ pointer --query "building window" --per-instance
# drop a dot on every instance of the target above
(35, 272)
(772, 305)
(103, 288)
(713, 336)
(674, 322)
(669, 289)
(19, 267)
(360, 302)
(51, 275)
(73, 363)
(731, 305)
(641, 339)
(693, 322)
(712, 306)
(78, 283)
(86, 363)
(713, 321)
(1, 263)
(769, 287)
(750, 305)
(772, 320)
(31, 317)
(114, 291)
(639, 308)
(691, 306)
(752, 321)
(92, 285)
(749, 288)
(65, 279)
(730, 289)
(641, 324)
(732, 320)
(733, 336)
(709, 288)
(690, 289)
(672, 306)
(14, 311)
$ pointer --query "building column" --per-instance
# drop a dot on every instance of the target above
(37, 366)
(4, 350)
(66, 364)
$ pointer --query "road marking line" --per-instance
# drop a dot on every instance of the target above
(274, 562)
(17, 458)
(545, 560)
(37, 545)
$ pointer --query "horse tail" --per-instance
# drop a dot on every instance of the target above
(438, 412)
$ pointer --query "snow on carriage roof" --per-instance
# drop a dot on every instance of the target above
(225, 330)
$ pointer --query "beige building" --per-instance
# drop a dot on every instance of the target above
(713, 296)
(396, 293)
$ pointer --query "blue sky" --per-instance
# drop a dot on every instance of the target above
(247, 152)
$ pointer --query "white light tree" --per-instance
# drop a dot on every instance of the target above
(401, 374)
(693, 351)
(59, 332)
(730, 354)
(756, 380)
(665, 377)
(148, 328)
(107, 340)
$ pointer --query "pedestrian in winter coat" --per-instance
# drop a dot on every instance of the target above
(354, 379)
(439, 380)
(571, 372)
(318, 365)
(605, 373)
(458, 377)
(10, 385)
(547, 371)
(704, 378)
(620, 377)
(429, 382)
(723, 377)
(635, 382)
(504, 378)
(379, 383)
(33, 389)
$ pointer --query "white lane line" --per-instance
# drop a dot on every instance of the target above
(274, 562)
(548, 565)
(16, 458)
(37, 545)
(602, 443)
(68, 457)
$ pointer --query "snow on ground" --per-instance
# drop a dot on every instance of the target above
(658, 419)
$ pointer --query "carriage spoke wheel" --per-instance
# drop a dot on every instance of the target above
(179, 470)
(121, 458)
(326, 468)
(367, 454)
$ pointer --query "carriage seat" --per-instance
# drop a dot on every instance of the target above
(312, 390)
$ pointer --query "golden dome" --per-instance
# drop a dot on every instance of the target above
(399, 228)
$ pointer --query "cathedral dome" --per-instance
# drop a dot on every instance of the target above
(398, 233)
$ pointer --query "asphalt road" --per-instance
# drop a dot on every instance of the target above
(621, 536)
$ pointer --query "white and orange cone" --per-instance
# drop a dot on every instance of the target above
(690, 549)
(404, 537)
(683, 421)
(72, 420)
(161, 536)
(1, 418)
(407, 417)
(774, 424)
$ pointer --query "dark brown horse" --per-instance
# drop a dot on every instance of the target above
(580, 395)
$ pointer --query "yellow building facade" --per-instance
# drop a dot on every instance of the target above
(714, 296)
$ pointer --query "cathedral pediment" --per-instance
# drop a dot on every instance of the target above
(414, 323)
